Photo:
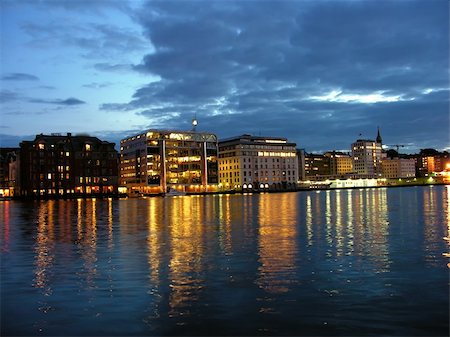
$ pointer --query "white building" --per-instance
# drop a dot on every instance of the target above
(367, 155)
(248, 162)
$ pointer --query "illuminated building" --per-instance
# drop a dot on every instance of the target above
(316, 166)
(8, 161)
(63, 166)
(366, 155)
(249, 162)
(156, 161)
(340, 163)
(398, 168)
(330, 165)
(428, 165)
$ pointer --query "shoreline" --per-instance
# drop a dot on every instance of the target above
(125, 196)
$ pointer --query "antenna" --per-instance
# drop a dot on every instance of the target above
(194, 122)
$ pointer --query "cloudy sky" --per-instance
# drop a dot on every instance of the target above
(320, 73)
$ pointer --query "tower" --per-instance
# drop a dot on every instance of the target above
(378, 139)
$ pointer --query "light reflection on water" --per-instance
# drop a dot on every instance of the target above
(345, 262)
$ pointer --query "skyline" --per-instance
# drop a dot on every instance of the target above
(115, 68)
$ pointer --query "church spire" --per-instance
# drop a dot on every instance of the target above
(379, 140)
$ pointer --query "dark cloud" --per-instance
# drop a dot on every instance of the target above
(113, 67)
(271, 68)
(96, 41)
(8, 96)
(67, 102)
(19, 77)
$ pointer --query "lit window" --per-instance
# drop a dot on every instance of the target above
(87, 147)
(41, 146)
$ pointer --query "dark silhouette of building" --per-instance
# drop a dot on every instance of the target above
(8, 158)
(64, 165)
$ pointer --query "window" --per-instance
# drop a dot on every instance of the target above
(41, 146)
(87, 147)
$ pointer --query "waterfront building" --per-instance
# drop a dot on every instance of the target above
(367, 157)
(248, 162)
(317, 166)
(398, 168)
(8, 160)
(64, 165)
(429, 164)
(156, 161)
(340, 163)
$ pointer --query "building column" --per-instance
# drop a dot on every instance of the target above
(204, 167)
(163, 182)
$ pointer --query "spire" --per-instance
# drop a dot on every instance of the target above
(379, 140)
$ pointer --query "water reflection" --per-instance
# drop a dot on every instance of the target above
(186, 223)
(446, 207)
(287, 262)
(6, 220)
(353, 222)
(277, 217)
(44, 256)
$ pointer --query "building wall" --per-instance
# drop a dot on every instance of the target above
(366, 156)
(317, 165)
(157, 160)
(8, 159)
(340, 163)
(61, 166)
(398, 168)
(248, 162)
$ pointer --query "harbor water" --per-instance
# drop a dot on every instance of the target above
(355, 262)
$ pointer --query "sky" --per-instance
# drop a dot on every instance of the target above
(320, 73)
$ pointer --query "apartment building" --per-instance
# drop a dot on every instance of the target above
(248, 162)
(398, 168)
(64, 165)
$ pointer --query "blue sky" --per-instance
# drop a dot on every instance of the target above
(317, 72)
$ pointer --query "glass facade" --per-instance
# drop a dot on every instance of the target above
(185, 161)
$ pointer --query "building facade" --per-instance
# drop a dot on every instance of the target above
(63, 166)
(257, 163)
(8, 178)
(427, 165)
(366, 156)
(317, 166)
(398, 168)
(156, 161)
(340, 163)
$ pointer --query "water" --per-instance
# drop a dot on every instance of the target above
(346, 262)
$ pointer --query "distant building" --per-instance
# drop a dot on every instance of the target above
(427, 165)
(64, 165)
(367, 156)
(8, 160)
(317, 166)
(398, 168)
(156, 161)
(340, 163)
(248, 162)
